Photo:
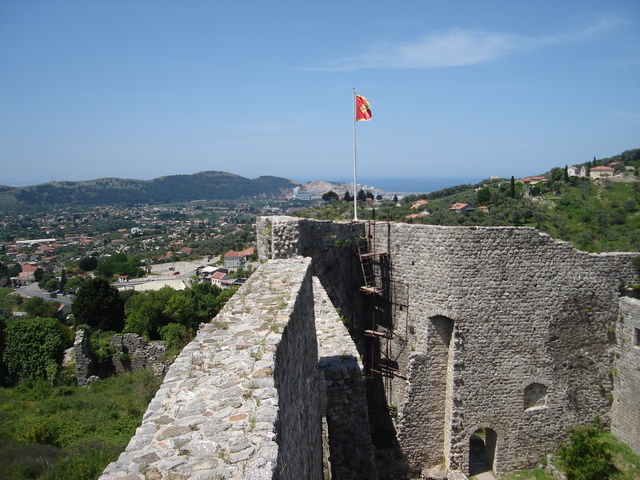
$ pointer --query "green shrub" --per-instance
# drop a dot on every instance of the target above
(175, 336)
(586, 455)
(33, 346)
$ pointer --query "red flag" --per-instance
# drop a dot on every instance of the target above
(363, 112)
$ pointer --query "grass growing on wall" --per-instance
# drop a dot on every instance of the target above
(70, 432)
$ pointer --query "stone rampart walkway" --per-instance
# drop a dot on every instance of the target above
(214, 414)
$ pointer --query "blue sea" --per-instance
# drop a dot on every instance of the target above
(415, 184)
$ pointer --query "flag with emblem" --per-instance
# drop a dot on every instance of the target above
(363, 110)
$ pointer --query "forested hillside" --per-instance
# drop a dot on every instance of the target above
(117, 191)
(594, 215)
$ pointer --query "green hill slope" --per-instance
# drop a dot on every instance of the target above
(200, 186)
(594, 215)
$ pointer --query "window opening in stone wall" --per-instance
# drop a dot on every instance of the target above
(535, 396)
(636, 337)
(482, 446)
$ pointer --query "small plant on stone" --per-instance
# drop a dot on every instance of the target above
(222, 453)
(393, 411)
(220, 324)
(178, 443)
(256, 354)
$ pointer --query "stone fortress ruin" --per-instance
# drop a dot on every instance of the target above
(356, 339)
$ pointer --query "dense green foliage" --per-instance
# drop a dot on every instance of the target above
(174, 315)
(70, 432)
(232, 240)
(119, 264)
(88, 264)
(33, 348)
(586, 455)
(37, 307)
(49, 428)
(116, 191)
(98, 305)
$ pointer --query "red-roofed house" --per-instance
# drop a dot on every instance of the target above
(28, 269)
(218, 277)
(462, 207)
(533, 180)
(600, 172)
(233, 259)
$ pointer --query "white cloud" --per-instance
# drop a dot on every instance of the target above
(459, 47)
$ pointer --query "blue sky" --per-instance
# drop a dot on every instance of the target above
(142, 89)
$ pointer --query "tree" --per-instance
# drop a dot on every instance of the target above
(52, 285)
(88, 264)
(37, 307)
(556, 174)
(347, 197)
(38, 274)
(119, 264)
(98, 305)
(362, 196)
(74, 283)
(484, 195)
(330, 196)
(145, 313)
(148, 314)
(33, 347)
(512, 189)
(395, 199)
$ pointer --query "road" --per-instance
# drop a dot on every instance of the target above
(33, 291)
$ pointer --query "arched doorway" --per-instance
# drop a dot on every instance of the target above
(482, 451)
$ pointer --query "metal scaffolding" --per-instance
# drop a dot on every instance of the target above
(389, 305)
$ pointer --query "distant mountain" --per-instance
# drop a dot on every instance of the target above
(210, 185)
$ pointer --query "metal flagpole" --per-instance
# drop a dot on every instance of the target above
(355, 182)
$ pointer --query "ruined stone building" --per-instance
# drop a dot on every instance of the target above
(450, 330)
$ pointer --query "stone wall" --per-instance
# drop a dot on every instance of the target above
(223, 411)
(502, 328)
(330, 244)
(131, 353)
(496, 310)
(245, 399)
(625, 422)
(351, 454)
(82, 354)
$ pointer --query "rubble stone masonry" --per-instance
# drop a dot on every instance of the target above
(504, 329)
(625, 421)
(494, 328)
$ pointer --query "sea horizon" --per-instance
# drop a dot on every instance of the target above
(413, 185)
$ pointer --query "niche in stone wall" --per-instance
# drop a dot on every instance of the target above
(444, 327)
(535, 396)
